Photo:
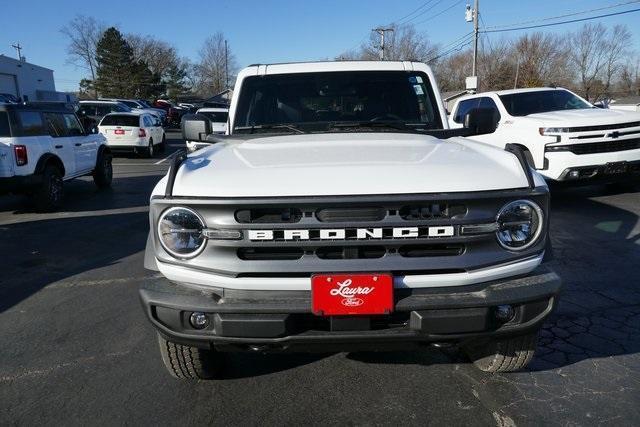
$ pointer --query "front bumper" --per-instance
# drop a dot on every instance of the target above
(282, 320)
(569, 167)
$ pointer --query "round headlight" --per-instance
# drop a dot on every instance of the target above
(519, 225)
(181, 232)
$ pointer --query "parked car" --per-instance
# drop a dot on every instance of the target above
(139, 107)
(217, 125)
(41, 146)
(96, 110)
(341, 212)
(174, 113)
(139, 133)
(564, 137)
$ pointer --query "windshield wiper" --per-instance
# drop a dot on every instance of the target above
(370, 124)
(253, 128)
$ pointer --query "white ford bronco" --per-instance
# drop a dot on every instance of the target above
(44, 144)
(564, 137)
(339, 212)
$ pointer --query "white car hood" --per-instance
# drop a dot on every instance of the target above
(590, 117)
(345, 164)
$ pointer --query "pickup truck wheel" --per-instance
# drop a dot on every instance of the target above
(189, 363)
(149, 151)
(103, 174)
(504, 355)
(48, 197)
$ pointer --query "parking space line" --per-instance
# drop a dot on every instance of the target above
(80, 214)
(163, 160)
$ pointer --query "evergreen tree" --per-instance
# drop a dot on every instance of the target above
(118, 73)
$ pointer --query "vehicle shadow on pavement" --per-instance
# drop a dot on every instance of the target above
(251, 365)
(95, 229)
(597, 255)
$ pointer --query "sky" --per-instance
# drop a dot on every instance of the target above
(269, 31)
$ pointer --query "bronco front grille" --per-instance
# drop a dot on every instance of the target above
(419, 233)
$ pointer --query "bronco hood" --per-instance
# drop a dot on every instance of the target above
(346, 164)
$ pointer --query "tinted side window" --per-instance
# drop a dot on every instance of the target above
(31, 123)
(55, 124)
(88, 109)
(463, 108)
(4, 124)
(147, 122)
(71, 125)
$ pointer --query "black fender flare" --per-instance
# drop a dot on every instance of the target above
(48, 158)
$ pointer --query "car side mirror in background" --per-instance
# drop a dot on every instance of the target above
(195, 127)
(480, 121)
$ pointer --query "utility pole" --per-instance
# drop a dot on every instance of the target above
(381, 31)
(226, 65)
(476, 13)
(18, 49)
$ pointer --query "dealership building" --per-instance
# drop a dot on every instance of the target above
(27, 81)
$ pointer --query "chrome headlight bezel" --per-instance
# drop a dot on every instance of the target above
(537, 210)
(173, 253)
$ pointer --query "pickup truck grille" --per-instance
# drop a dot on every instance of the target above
(422, 250)
(598, 147)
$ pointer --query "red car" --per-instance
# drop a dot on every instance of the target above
(174, 113)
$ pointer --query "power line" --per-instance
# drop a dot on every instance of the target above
(552, 18)
(423, 12)
(440, 13)
(562, 22)
(398, 21)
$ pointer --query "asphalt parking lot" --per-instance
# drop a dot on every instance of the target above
(77, 349)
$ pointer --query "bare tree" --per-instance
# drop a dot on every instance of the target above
(541, 60)
(588, 55)
(83, 33)
(452, 70)
(617, 45)
(210, 74)
(402, 44)
(159, 55)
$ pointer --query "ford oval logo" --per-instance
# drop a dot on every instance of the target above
(352, 302)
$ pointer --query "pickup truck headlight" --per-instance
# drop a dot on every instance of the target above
(520, 224)
(180, 231)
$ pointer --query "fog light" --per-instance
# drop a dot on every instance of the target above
(574, 174)
(199, 320)
(505, 313)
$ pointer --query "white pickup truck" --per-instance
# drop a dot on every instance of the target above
(565, 138)
(340, 213)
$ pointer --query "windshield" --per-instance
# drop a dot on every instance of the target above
(523, 104)
(120, 120)
(215, 116)
(326, 101)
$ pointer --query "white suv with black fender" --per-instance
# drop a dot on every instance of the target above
(44, 144)
(340, 213)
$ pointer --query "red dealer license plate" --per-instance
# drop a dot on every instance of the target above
(119, 132)
(347, 294)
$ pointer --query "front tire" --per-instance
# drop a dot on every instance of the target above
(504, 355)
(189, 363)
(103, 174)
(48, 197)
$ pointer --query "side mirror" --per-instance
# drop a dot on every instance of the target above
(195, 127)
(480, 121)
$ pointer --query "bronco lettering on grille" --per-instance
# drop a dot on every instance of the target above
(353, 233)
